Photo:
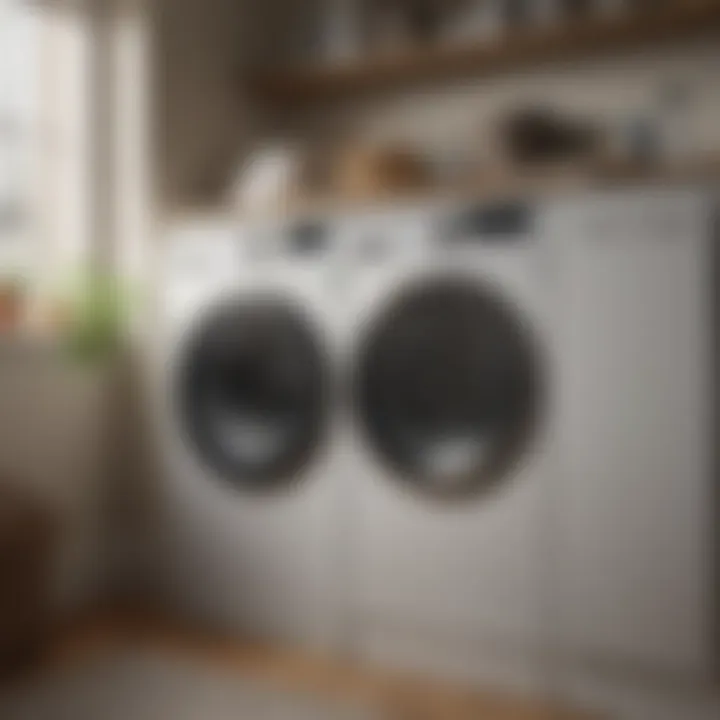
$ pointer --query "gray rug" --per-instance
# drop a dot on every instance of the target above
(144, 686)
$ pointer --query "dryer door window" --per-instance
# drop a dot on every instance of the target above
(448, 387)
(252, 393)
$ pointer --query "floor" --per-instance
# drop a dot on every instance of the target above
(400, 697)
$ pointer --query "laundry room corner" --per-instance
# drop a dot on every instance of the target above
(358, 359)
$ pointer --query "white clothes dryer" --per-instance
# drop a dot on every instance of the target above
(244, 380)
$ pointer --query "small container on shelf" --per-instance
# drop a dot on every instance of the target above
(395, 24)
(268, 180)
(677, 113)
(343, 31)
(637, 141)
(372, 171)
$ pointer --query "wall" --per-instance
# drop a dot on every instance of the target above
(199, 116)
(205, 122)
(93, 207)
(461, 117)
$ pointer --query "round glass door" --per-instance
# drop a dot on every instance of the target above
(448, 387)
(252, 393)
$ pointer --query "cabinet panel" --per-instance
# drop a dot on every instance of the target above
(635, 498)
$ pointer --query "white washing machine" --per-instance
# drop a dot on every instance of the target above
(450, 464)
(524, 492)
(244, 373)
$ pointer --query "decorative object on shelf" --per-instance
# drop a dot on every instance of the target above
(268, 179)
(476, 20)
(342, 37)
(677, 113)
(374, 171)
(640, 141)
(428, 17)
(394, 24)
(538, 135)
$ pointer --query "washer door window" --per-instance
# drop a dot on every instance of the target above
(448, 387)
(252, 393)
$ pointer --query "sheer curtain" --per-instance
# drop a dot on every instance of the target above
(74, 140)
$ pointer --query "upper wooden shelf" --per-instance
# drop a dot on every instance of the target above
(517, 50)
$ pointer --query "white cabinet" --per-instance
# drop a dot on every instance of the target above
(634, 495)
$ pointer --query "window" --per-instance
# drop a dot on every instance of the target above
(73, 147)
(19, 137)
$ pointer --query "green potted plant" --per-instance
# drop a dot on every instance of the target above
(93, 320)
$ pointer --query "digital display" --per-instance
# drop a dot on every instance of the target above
(308, 238)
(508, 221)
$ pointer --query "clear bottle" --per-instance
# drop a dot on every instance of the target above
(342, 30)
(677, 111)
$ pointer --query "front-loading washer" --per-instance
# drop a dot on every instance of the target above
(449, 310)
(244, 377)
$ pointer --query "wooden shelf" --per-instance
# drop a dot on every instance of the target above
(570, 41)
(601, 176)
